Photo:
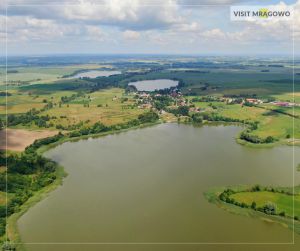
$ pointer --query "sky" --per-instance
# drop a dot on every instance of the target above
(197, 27)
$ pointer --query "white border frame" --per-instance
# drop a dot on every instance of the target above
(148, 243)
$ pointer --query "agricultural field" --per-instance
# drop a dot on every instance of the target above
(19, 139)
(107, 106)
(21, 102)
(46, 74)
(111, 106)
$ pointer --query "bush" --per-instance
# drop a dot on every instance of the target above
(269, 208)
(253, 205)
(148, 117)
(282, 214)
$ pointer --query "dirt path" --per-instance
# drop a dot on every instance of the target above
(18, 139)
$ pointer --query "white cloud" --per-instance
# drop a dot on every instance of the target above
(146, 22)
(214, 34)
(131, 35)
(94, 33)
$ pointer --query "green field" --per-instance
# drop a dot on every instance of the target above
(283, 202)
(273, 124)
(21, 102)
(105, 106)
(35, 74)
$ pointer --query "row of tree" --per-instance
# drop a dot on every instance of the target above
(268, 208)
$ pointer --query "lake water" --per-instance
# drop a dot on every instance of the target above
(95, 74)
(144, 187)
(152, 85)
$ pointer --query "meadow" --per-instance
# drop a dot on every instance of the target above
(271, 123)
(41, 74)
(107, 106)
(283, 202)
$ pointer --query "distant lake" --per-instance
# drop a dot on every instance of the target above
(152, 85)
(95, 74)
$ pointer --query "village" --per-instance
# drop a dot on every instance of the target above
(174, 99)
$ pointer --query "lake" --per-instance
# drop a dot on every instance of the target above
(134, 190)
(152, 85)
(95, 74)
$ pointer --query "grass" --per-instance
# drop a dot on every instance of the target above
(21, 102)
(2, 198)
(34, 75)
(288, 97)
(283, 202)
(105, 106)
(271, 123)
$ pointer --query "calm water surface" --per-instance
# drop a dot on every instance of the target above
(152, 85)
(147, 185)
(95, 74)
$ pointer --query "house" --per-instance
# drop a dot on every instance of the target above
(282, 104)
(254, 101)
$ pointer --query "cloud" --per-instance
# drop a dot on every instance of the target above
(167, 23)
(94, 33)
(125, 14)
(131, 35)
(214, 34)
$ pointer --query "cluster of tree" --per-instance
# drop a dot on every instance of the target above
(197, 118)
(180, 111)
(32, 116)
(162, 102)
(119, 80)
(45, 141)
(94, 129)
(1, 124)
(258, 188)
(217, 117)
(148, 117)
(69, 127)
(243, 96)
(247, 136)
(28, 118)
(73, 73)
(27, 173)
(68, 99)
(3, 94)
